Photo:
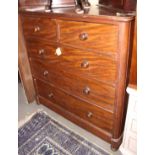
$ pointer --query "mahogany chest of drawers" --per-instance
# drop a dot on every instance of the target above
(79, 67)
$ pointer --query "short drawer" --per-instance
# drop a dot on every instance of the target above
(41, 49)
(78, 62)
(100, 37)
(43, 28)
(86, 111)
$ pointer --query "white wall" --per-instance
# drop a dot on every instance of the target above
(129, 145)
(93, 2)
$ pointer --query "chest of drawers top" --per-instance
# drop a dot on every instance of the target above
(95, 13)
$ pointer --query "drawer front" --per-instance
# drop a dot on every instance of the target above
(39, 27)
(88, 112)
(91, 91)
(101, 37)
(83, 63)
(41, 49)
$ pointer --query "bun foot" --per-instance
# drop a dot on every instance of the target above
(113, 148)
(115, 143)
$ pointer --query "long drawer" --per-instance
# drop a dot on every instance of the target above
(88, 112)
(100, 37)
(80, 62)
(91, 91)
(42, 28)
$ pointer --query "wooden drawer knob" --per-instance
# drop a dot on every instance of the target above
(36, 28)
(41, 51)
(45, 73)
(90, 114)
(86, 90)
(50, 95)
(85, 64)
(83, 36)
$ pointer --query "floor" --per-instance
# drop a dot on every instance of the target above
(25, 110)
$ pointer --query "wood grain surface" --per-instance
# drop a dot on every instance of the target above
(77, 107)
(101, 68)
(39, 27)
(120, 104)
(24, 66)
(101, 37)
(80, 67)
(100, 94)
(133, 67)
(76, 119)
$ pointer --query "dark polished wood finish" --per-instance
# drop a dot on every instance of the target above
(100, 69)
(133, 66)
(128, 5)
(105, 35)
(95, 14)
(39, 27)
(113, 3)
(24, 66)
(121, 85)
(79, 65)
(77, 107)
(101, 95)
(74, 118)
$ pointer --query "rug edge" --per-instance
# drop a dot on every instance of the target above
(28, 117)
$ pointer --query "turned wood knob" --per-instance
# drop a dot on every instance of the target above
(50, 95)
(90, 114)
(41, 51)
(83, 36)
(85, 64)
(86, 90)
(45, 73)
(36, 28)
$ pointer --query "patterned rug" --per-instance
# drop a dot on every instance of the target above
(42, 135)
